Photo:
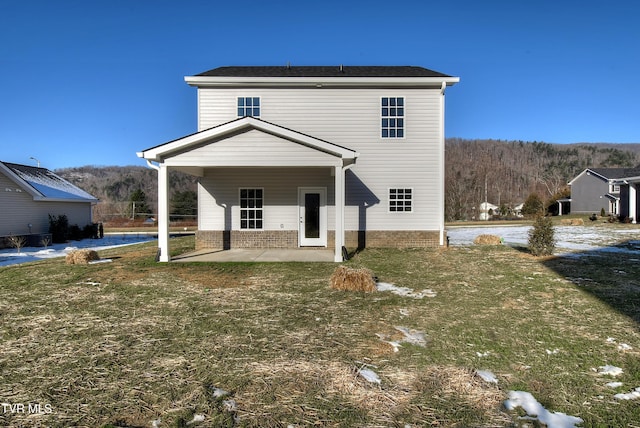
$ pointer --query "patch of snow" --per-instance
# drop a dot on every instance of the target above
(487, 376)
(413, 336)
(614, 384)
(219, 392)
(156, 423)
(624, 347)
(8, 256)
(611, 340)
(633, 395)
(550, 352)
(197, 418)
(536, 410)
(569, 239)
(483, 354)
(230, 405)
(404, 291)
(369, 375)
(610, 370)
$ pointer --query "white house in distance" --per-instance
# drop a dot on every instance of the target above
(313, 156)
(28, 195)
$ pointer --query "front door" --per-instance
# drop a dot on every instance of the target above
(312, 211)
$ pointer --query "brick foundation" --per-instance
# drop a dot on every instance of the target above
(289, 239)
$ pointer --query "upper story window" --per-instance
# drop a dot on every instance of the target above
(392, 117)
(614, 188)
(249, 106)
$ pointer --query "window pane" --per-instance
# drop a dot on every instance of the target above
(400, 101)
(385, 111)
(392, 133)
(258, 224)
(385, 101)
(240, 111)
(392, 112)
(385, 133)
(400, 133)
(256, 101)
(392, 101)
(256, 111)
(400, 111)
(259, 193)
(247, 102)
(240, 102)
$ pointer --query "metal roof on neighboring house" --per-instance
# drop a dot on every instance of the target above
(46, 183)
(322, 71)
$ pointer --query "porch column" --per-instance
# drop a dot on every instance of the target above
(163, 212)
(339, 206)
(633, 202)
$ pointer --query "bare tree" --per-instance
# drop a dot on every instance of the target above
(17, 242)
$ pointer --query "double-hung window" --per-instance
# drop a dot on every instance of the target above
(400, 200)
(251, 211)
(392, 114)
(249, 106)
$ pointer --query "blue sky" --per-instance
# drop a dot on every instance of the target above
(92, 82)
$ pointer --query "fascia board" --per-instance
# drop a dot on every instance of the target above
(320, 82)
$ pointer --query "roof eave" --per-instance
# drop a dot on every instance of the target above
(319, 82)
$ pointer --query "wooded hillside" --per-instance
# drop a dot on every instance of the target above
(505, 172)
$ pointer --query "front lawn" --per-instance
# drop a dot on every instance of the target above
(134, 343)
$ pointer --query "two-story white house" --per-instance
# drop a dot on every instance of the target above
(313, 156)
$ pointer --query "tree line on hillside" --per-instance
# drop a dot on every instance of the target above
(504, 173)
(132, 191)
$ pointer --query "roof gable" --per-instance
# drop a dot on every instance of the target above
(43, 184)
(193, 141)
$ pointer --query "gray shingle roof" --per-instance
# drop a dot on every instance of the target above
(322, 71)
(617, 173)
(48, 184)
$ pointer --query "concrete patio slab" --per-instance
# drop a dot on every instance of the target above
(257, 255)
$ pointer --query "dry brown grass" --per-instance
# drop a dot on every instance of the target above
(353, 279)
(487, 239)
(572, 222)
(81, 257)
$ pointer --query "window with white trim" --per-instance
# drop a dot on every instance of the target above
(251, 211)
(392, 116)
(249, 106)
(400, 200)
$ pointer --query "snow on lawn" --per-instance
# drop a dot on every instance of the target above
(535, 410)
(9, 256)
(569, 238)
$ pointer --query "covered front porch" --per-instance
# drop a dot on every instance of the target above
(251, 174)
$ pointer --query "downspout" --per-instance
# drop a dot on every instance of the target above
(152, 166)
(442, 166)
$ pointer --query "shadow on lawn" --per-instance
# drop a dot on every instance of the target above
(612, 274)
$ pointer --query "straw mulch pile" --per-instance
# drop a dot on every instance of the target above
(487, 240)
(350, 279)
(81, 257)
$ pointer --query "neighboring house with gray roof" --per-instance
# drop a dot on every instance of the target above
(611, 189)
(28, 195)
(313, 156)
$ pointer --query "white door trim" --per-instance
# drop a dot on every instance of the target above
(320, 241)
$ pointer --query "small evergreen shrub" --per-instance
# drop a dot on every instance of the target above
(58, 228)
(542, 239)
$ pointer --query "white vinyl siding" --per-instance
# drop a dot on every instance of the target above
(350, 117)
(252, 148)
(218, 200)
